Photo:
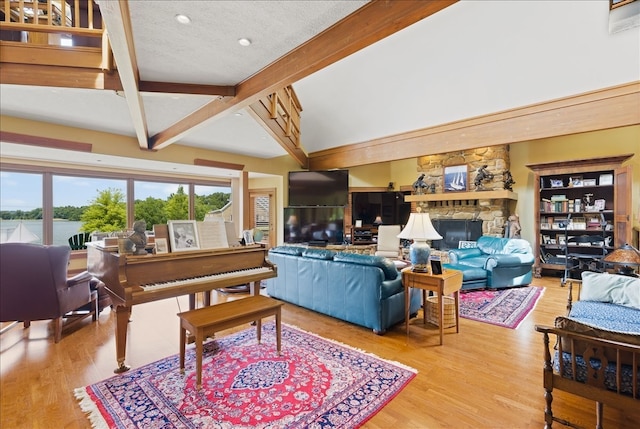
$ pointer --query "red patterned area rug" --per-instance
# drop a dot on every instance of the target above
(316, 382)
(502, 307)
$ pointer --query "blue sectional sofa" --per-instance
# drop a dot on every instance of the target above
(496, 263)
(361, 289)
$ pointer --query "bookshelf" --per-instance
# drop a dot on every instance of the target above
(583, 211)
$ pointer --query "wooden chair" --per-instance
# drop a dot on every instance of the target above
(77, 241)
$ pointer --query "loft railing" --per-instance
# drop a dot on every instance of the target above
(285, 109)
(72, 30)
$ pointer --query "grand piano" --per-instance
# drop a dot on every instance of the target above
(136, 279)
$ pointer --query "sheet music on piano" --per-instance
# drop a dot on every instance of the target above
(212, 234)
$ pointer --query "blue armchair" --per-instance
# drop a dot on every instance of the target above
(496, 263)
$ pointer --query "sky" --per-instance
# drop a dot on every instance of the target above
(23, 191)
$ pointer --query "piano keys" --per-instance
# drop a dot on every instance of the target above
(136, 279)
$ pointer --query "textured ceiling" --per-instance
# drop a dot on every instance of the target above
(470, 59)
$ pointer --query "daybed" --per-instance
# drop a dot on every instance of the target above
(495, 263)
(602, 328)
(361, 289)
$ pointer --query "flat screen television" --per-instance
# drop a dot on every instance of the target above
(315, 225)
(319, 188)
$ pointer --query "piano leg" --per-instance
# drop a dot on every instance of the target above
(123, 314)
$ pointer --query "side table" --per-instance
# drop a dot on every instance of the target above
(449, 282)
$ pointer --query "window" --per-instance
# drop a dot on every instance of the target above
(21, 207)
(72, 197)
(52, 203)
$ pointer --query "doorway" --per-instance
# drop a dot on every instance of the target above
(262, 214)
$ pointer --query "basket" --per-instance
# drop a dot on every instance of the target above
(433, 311)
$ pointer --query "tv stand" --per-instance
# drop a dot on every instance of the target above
(317, 243)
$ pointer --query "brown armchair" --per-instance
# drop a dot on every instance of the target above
(34, 286)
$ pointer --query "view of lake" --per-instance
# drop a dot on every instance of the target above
(62, 229)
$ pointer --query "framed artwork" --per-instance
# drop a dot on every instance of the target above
(605, 179)
(561, 239)
(247, 235)
(162, 246)
(436, 267)
(463, 244)
(599, 204)
(556, 183)
(183, 235)
(455, 178)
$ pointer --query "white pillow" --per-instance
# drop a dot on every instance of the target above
(614, 288)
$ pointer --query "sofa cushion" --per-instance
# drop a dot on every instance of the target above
(323, 254)
(571, 324)
(492, 245)
(469, 272)
(613, 288)
(612, 317)
(386, 265)
(288, 250)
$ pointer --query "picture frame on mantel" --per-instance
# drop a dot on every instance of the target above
(455, 178)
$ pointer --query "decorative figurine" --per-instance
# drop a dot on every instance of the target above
(514, 226)
(508, 180)
(419, 185)
(482, 175)
(139, 238)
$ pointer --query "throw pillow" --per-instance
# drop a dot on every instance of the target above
(614, 288)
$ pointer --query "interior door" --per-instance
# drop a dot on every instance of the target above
(262, 214)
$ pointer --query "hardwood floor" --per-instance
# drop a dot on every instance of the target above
(484, 377)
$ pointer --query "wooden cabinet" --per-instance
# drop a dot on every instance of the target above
(583, 211)
(364, 235)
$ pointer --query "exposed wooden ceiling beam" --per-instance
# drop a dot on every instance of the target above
(91, 78)
(369, 24)
(186, 88)
(613, 107)
(118, 23)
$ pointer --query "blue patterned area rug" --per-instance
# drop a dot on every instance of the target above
(502, 307)
(315, 382)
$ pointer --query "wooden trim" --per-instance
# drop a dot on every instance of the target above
(369, 24)
(601, 109)
(9, 137)
(218, 164)
(59, 76)
(602, 163)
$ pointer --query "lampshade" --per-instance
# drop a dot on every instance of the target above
(626, 255)
(419, 229)
(378, 220)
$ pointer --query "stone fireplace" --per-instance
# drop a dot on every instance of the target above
(493, 210)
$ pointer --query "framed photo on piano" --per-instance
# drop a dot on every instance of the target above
(161, 246)
(183, 235)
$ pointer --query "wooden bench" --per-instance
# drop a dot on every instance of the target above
(207, 321)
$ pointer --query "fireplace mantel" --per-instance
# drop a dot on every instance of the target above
(464, 196)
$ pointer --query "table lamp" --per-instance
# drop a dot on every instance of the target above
(624, 256)
(419, 229)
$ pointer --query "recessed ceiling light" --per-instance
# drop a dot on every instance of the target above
(238, 114)
(244, 41)
(182, 19)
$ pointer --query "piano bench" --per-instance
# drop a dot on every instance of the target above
(206, 321)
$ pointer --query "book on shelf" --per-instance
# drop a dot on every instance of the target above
(558, 197)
